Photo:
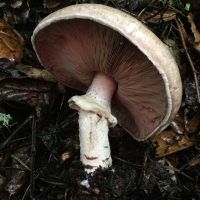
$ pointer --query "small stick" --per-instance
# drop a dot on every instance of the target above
(178, 23)
(2, 145)
(33, 151)
(129, 163)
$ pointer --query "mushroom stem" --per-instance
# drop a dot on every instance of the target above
(94, 120)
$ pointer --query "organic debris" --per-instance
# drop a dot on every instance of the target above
(39, 150)
(195, 31)
(11, 43)
(41, 74)
(169, 142)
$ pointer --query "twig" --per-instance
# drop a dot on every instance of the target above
(142, 173)
(178, 23)
(48, 188)
(178, 171)
(15, 132)
(32, 162)
(129, 163)
(60, 109)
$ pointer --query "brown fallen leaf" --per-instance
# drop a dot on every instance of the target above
(41, 74)
(173, 159)
(194, 165)
(192, 125)
(168, 142)
(182, 124)
(11, 43)
(196, 33)
(194, 161)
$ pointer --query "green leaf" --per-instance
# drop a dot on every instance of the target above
(20, 161)
(52, 182)
(5, 119)
(187, 6)
(25, 166)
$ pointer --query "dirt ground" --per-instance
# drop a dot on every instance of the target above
(39, 141)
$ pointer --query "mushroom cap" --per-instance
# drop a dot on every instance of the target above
(77, 41)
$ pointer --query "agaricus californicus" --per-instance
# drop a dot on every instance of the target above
(127, 73)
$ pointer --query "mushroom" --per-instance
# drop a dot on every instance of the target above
(127, 73)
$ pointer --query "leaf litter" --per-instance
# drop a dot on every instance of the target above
(39, 155)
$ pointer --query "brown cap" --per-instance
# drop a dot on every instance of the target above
(75, 42)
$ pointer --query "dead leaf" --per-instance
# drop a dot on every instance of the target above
(27, 91)
(194, 161)
(194, 165)
(41, 74)
(192, 125)
(9, 66)
(168, 142)
(22, 89)
(173, 159)
(196, 43)
(181, 123)
(11, 43)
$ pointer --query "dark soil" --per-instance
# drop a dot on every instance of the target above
(32, 148)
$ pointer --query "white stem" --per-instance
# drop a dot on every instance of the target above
(94, 119)
(94, 143)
